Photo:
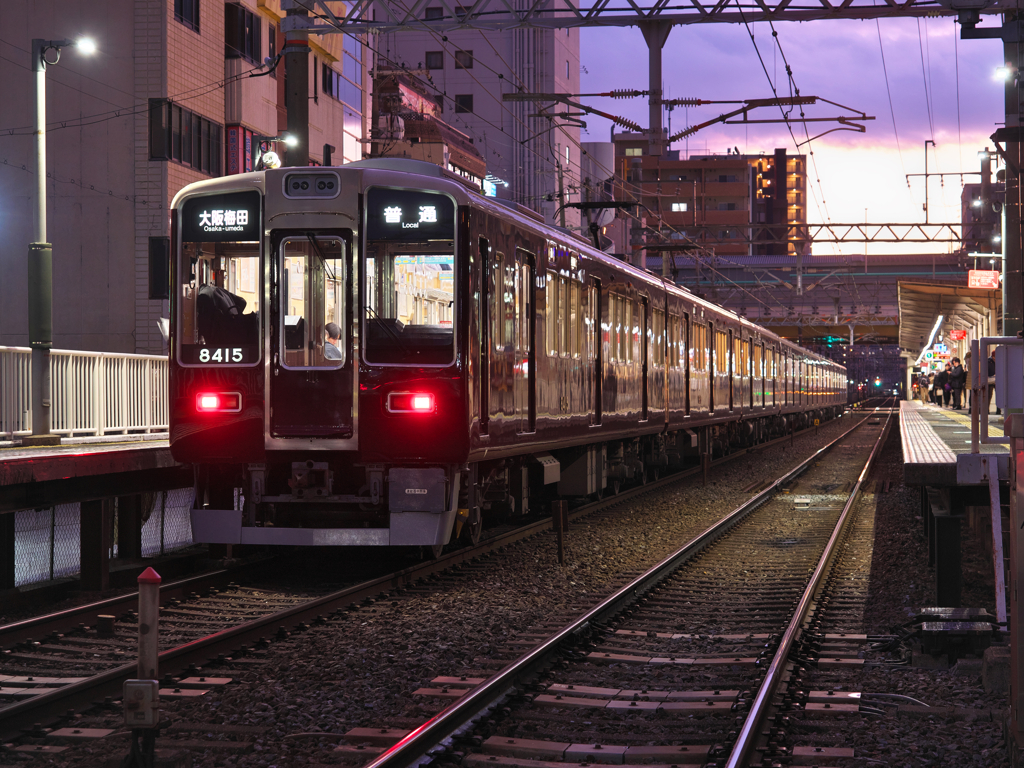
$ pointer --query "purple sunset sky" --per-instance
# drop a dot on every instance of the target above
(836, 60)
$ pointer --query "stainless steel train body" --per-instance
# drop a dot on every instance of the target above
(376, 354)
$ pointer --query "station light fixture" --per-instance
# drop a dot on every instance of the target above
(931, 337)
(1002, 74)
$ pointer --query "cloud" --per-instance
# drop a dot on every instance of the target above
(935, 86)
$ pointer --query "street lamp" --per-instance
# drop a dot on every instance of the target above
(40, 252)
(270, 159)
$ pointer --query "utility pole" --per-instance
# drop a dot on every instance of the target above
(296, 65)
(926, 143)
(655, 33)
(561, 194)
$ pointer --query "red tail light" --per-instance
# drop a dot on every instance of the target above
(219, 402)
(410, 402)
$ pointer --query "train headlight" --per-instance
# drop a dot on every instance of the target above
(410, 402)
(219, 402)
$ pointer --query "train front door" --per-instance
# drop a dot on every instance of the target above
(311, 390)
(522, 282)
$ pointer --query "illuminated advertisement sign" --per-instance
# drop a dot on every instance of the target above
(958, 335)
(983, 278)
(234, 217)
(402, 214)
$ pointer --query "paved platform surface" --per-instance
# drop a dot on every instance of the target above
(41, 476)
(933, 440)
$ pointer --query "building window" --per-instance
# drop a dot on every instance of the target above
(241, 34)
(678, 207)
(634, 151)
(337, 87)
(184, 137)
(435, 59)
(434, 13)
(464, 103)
(187, 12)
(463, 59)
(272, 48)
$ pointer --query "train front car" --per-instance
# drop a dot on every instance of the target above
(315, 383)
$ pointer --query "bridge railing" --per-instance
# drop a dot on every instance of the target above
(92, 393)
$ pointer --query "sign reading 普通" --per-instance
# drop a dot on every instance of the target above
(403, 214)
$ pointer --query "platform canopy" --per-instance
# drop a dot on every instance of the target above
(920, 304)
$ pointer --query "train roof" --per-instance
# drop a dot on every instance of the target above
(465, 191)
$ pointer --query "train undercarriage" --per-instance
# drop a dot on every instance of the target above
(333, 501)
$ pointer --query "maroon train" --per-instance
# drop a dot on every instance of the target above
(376, 354)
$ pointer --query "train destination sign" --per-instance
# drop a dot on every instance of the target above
(402, 214)
(233, 217)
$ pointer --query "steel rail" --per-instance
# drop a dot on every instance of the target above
(751, 729)
(417, 744)
(21, 715)
(33, 628)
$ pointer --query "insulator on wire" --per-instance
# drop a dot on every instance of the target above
(622, 93)
(689, 102)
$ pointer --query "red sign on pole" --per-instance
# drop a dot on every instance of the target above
(983, 278)
(958, 335)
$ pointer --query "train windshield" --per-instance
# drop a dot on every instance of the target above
(409, 278)
(219, 280)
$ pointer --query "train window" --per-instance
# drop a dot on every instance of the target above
(551, 315)
(563, 317)
(312, 284)
(626, 331)
(410, 303)
(658, 339)
(575, 320)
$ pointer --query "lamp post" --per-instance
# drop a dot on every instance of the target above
(40, 254)
(269, 159)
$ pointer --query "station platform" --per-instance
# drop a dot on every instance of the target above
(956, 486)
(937, 447)
(86, 469)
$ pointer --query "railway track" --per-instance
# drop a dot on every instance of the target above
(205, 627)
(687, 664)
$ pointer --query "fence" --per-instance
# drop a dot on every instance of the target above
(92, 393)
(46, 541)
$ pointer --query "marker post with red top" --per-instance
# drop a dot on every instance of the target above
(149, 618)
(142, 696)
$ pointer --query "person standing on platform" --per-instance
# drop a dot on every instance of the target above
(923, 385)
(957, 379)
(931, 386)
(941, 389)
(992, 381)
(967, 380)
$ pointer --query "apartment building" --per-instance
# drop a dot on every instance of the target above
(532, 156)
(176, 93)
(720, 201)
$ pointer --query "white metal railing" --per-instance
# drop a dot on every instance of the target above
(92, 393)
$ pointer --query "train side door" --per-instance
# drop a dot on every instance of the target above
(484, 321)
(595, 347)
(645, 347)
(521, 275)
